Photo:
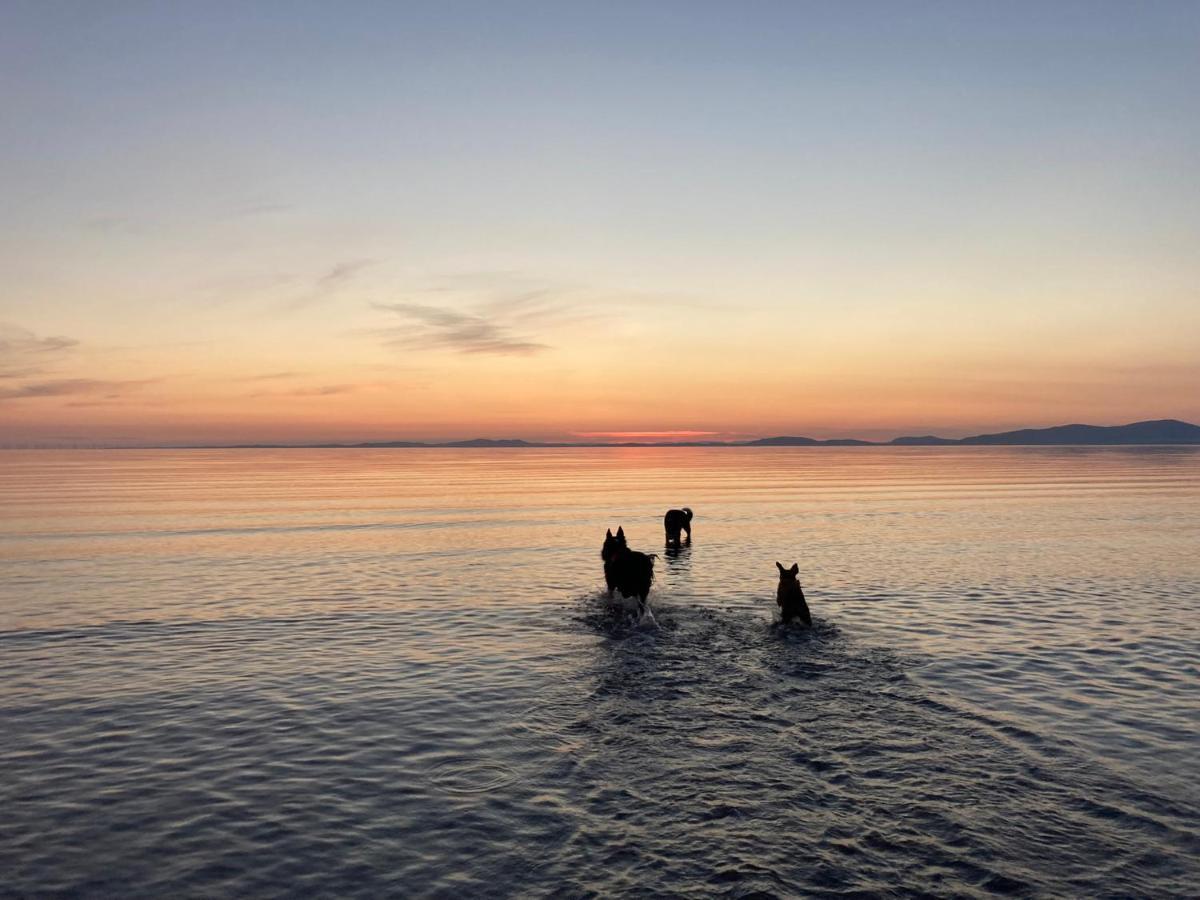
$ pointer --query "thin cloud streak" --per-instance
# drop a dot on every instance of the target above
(342, 272)
(324, 391)
(66, 387)
(434, 326)
(493, 313)
(321, 391)
(331, 281)
(23, 354)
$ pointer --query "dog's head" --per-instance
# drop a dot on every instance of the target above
(613, 544)
(788, 574)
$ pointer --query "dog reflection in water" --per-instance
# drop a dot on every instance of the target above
(625, 570)
(677, 552)
(790, 595)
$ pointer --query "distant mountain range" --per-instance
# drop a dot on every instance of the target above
(1159, 431)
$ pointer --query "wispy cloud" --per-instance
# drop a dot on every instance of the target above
(23, 354)
(505, 313)
(498, 313)
(330, 281)
(322, 391)
(68, 387)
(342, 272)
(439, 326)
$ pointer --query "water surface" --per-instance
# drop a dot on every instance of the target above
(384, 672)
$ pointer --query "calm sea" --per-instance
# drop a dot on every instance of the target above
(334, 672)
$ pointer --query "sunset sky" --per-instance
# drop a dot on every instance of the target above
(305, 222)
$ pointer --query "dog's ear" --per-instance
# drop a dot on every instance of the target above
(779, 566)
(608, 534)
(620, 531)
(795, 569)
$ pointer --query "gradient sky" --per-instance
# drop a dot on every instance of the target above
(292, 221)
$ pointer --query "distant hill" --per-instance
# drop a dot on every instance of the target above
(1159, 431)
(783, 442)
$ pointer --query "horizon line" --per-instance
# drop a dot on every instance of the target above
(1010, 438)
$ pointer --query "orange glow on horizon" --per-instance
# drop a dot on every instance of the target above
(637, 435)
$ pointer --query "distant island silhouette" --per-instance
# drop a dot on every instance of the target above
(1158, 431)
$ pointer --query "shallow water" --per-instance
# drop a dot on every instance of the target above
(392, 672)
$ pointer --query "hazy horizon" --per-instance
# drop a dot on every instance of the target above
(296, 224)
(615, 440)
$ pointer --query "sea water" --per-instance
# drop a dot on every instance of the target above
(394, 672)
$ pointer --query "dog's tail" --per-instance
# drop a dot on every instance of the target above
(688, 513)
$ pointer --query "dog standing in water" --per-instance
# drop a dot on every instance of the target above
(675, 521)
(790, 595)
(625, 570)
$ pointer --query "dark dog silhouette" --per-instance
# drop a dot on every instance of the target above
(675, 521)
(625, 570)
(790, 596)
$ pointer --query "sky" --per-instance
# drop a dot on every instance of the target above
(304, 222)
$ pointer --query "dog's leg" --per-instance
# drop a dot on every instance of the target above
(642, 607)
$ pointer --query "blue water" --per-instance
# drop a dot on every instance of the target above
(280, 673)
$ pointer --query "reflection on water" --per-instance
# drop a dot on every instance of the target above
(392, 672)
(679, 554)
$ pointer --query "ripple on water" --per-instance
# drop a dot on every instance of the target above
(551, 719)
(471, 775)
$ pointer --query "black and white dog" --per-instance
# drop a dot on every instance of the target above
(675, 521)
(625, 570)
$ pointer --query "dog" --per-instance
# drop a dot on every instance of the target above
(625, 570)
(675, 521)
(790, 595)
